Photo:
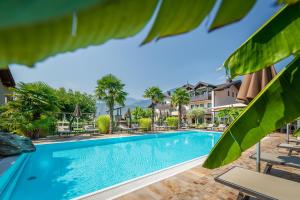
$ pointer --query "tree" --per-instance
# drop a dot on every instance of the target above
(156, 96)
(196, 113)
(179, 98)
(110, 90)
(69, 99)
(32, 110)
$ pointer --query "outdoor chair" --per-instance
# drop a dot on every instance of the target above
(259, 185)
(210, 127)
(290, 147)
(159, 128)
(221, 127)
(184, 126)
(295, 140)
(62, 130)
(90, 129)
(123, 128)
(277, 159)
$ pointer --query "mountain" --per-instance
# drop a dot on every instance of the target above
(129, 103)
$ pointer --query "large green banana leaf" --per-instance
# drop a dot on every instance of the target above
(275, 40)
(277, 104)
(33, 30)
(108, 19)
(179, 16)
(227, 7)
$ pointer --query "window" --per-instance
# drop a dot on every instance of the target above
(232, 94)
(192, 106)
(209, 105)
(228, 93)
(202, 105)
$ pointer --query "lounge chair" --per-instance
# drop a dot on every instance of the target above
(90, 129)
(221, 127)
(295, 140)
(290, 147)
(210, 127)
(277, 159)
(259, 185)
(63, 130)
(159, 128)
(184, 126)
(123, 128)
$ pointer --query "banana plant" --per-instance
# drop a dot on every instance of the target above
(31, 31)
(276, 105)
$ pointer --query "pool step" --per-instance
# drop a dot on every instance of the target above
(10, 177)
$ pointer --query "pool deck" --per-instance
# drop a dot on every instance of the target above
(56, 138)
(198, 182)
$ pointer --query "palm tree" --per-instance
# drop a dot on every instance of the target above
(179, 98)
(156, 96)
(110, 90)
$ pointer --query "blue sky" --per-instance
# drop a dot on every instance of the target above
(169, 63)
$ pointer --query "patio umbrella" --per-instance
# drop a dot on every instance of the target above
(77, 113)
(252, 84)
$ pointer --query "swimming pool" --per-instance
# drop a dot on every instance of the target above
(70, 169)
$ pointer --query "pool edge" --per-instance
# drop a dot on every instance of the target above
(133, 135)
(129, 186)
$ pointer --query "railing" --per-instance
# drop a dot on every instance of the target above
(200, 97)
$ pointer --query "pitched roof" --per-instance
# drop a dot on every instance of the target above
(6, 78)
(201, 84)
(188, 86)
(223, 86)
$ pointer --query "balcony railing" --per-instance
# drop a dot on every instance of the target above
(201, 97)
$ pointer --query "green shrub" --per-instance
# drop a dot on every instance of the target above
(145, 124)
(103, 123)
(172, 121)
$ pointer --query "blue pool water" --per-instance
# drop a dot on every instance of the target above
(71, 169)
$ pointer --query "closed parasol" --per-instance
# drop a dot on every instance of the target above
(252, 84)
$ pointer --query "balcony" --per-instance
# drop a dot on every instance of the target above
(201, 97)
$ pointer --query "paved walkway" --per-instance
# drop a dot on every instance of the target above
(198, 183)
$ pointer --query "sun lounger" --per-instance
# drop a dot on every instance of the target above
(259, 185)
(62, 130)
(221, 127)
(90, 129)
(123, 128)
(295, 140)
(277, 159)
(290, 147)
(210, 127)
(159, 128)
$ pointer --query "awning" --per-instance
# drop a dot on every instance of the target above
(235, 105)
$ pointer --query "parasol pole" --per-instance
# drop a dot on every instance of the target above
(287, 133)
(258, 157)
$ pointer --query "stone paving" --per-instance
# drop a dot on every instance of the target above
(198, 183)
